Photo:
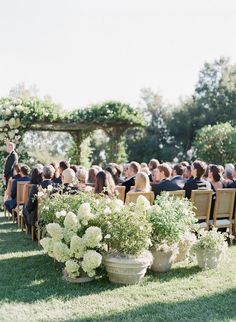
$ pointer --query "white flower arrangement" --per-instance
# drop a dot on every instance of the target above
(55, 231)
(84, 213)
(72, 268)
(77, 247)
(60, 251)
(142, 204)
(71, 222)
(91, 261)
(92, 237)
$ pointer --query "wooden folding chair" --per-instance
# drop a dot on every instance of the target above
(177, 193)
(120, 190)
(19, 200)
(133, 196)
(7, 195)
(224, 207)
(26, 192)
(202, 200)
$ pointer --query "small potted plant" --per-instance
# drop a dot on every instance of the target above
(171, 218)
(127, 232)
(210, 248)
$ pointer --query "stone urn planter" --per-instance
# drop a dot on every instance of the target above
(126, 269)
(209, 258)
(163, 258)
(184, 247)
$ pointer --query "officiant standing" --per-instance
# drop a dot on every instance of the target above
(11, 161)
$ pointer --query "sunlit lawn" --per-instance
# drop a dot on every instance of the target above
(32, 289)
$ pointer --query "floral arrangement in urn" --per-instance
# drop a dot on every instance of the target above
(75, 241)
(171, 219)
(210, 248)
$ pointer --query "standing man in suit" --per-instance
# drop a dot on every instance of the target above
(11, 161)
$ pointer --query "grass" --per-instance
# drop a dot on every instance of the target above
(32, 289)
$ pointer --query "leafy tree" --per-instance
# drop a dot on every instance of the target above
(216, 144)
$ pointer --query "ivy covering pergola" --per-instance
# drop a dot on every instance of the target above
(21, 115)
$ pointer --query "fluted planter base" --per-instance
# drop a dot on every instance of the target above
(125, 269)
(163, 260)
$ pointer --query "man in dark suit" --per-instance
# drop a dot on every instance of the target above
(133, 169)
(11, 203)
(178, 178)
(162, 175)
(197, 182)
(11, 160)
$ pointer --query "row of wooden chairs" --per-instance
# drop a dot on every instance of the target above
(202, 201)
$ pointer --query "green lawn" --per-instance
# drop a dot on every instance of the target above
(31, 289)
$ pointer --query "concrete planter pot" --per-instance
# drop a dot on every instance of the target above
(208, 258)
(163, 259)
(126, 269)
(184, 247)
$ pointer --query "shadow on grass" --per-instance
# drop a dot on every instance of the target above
(216, 307)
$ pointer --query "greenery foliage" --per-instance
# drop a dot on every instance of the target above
(216, 144)
(171, 218)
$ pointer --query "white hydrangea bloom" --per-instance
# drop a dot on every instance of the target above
(72, 268)
(61, 252)
(47, 243)
(71, 222)
(84, 213)
(142, 204)
(60, 214)
(91, 261)
(116, 205)
(55, 231)
(92, 237)
(12, 123)
(77, 247)
(68, 234)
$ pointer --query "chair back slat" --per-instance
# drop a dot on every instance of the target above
(224, 204)
(133, 196)
(20, 192)
(202, 200)
(120, 190)
(177, 193)
(26, 192)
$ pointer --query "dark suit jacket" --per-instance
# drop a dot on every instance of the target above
(11, 160)
(30, 210)
(195, 184)
(128, 184)
(180, 181)
(164, 185)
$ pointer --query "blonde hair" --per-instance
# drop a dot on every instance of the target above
(68, 176)
(82, 175)
(142, 182)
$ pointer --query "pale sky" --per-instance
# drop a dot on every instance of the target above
(87, 51)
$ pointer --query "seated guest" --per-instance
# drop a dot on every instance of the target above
(178, 171)
(197, 182)
(215, 177)
(30, 210)
(152, 165)
(228, 174)
(125, 171)
(74, 167)
(81, 175)
(187, 172)
(63, 165)
(16, 171)
(16, 175)
(104, 183)
(144, 168)
(233, 184)
(57, 173)
(10, 204)
(142, 183)
(92, 176)
(68, 179)
(162, 175)
(133, 169)
(115, 171)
